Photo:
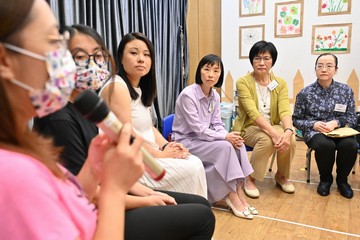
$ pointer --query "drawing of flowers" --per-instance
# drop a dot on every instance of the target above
(334, 5)
(252, 6)
(335, 41)
(294, 10)
(289, 19)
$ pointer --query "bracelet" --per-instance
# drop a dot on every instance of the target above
(164, 146)
(292, 130)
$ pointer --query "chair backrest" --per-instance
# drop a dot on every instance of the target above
(167, 123)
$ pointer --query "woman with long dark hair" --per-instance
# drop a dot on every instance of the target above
(130, 96)
(153, 209)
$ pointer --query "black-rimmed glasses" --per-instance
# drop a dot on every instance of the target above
(82, 58)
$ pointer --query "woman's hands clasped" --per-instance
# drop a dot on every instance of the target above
(281, 141)
(235, 139)
(175, 150)
(325, 127)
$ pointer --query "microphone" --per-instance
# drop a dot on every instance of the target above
(93, 108)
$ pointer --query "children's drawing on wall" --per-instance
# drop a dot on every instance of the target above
(249, 8)
(333, 7)
(335, 38)
(248, 36)
(288, 19)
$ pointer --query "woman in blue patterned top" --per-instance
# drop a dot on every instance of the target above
(322, 107)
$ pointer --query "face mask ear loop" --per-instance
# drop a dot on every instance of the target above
(21, 84)
(24, 51)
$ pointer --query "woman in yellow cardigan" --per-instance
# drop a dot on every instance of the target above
(264, 119)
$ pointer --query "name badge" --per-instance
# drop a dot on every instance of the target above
(340, 107)
(272, 85)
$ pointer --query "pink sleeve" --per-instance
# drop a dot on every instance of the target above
(30, 207)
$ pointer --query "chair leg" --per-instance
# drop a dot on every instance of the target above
(356, 165)
(308, 161)
(272, 161)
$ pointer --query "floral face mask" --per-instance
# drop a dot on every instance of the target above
(58, 89)
(91, 76)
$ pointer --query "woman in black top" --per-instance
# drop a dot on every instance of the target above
(150, 214)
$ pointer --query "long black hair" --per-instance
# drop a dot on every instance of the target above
(148, 82)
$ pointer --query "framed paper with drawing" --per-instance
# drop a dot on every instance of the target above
(288, 19)
(334, 7)
(334, 38)
(248, 36)
(249, 8)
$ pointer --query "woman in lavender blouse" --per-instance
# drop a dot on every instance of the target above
(198, 126)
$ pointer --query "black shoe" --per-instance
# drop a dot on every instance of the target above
(345, 190)
(324, 188)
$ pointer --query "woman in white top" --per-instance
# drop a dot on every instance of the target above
(130, 96)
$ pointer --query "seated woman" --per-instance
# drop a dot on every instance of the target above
(130, 96)
(74, 132)
(320, 108)
(39, 199)
(198, 126)
(264, 118)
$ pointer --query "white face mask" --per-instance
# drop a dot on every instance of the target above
(91, 77)
(58, 89)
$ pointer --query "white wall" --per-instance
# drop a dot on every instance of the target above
(293, 53)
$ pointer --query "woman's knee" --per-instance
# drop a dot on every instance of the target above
(293, 143)
(265, 142)
(194, 165)
(322, 143)
(348, 144)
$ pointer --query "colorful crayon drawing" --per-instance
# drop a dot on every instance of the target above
(252, 8)
(335, 38)
(288, 21)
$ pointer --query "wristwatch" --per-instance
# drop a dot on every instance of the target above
(290, 129)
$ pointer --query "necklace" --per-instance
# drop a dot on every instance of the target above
(262, 95)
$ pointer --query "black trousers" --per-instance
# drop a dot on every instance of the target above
(191, 219)
(325, 148)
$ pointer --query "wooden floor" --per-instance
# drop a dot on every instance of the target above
(303, 215)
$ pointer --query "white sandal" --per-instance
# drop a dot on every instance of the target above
(253, 210)
(241, 214)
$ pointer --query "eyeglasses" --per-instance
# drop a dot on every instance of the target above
(321, 66)
(259, 59)
(82, 58)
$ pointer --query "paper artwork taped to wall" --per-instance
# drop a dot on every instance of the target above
(334, 7)
(288, 19)
(248, 36)
(249, 8)
(334, 38)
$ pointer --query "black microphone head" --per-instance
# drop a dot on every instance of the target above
(91, 106)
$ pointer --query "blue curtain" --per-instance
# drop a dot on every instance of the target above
(163, 21)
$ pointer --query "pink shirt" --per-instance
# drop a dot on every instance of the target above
(34, 204)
